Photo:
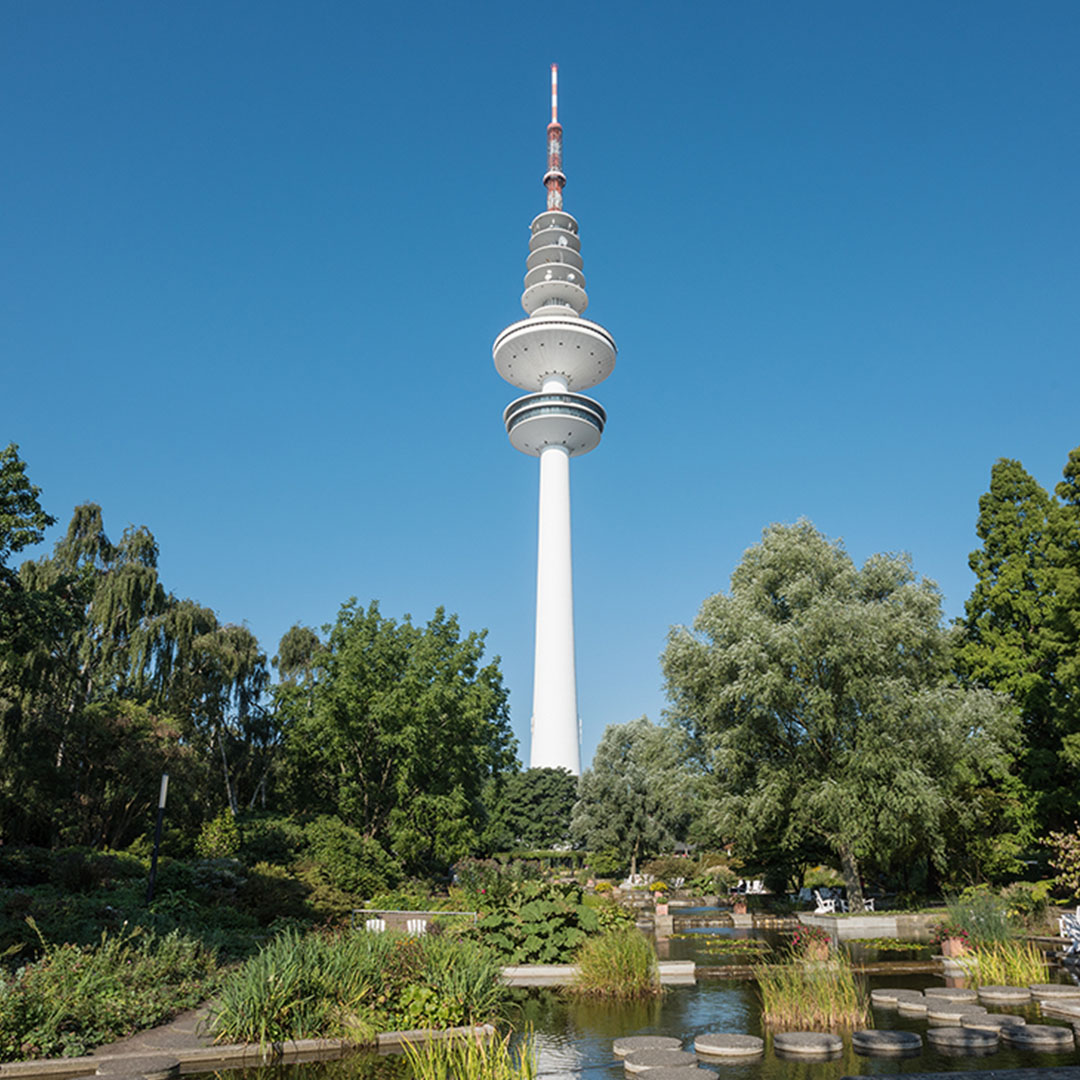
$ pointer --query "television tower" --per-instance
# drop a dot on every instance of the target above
(554, 354)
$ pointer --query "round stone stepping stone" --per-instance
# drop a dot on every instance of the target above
(962, 1039)
(807, 1042)
(950, 993)
(627, 1044)
(1038, 1037)
(723, 1044)
(888, 997)
(640, 1060)
(912, 1006)
(1054, 990)
(990, 1021)
(1004, 995)
(152, 1066)
(681, 1072)
(951, 1012)
(880, 1042)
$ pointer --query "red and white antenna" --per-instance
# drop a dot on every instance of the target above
(554, 179)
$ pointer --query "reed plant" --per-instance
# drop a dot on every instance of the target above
(619, 965)
(1005, 963)
(803, 995)
(353, 984)
(473, 1057)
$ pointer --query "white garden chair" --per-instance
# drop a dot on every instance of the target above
(416, 927)
(375, 925)
(825, 905)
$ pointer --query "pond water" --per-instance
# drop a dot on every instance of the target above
(574, 1038)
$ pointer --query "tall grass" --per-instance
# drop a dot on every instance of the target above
(77, 997)
(473, 1058)
(801, 995)
(619, 965)
(1005, 963)
(354, 984)
(984, 915)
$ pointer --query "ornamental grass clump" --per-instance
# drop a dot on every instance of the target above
(354, 984)
(473, 1058)
(1005, 963)
(797, 995)
(619, 965)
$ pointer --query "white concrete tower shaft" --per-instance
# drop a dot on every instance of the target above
(554, 354)
(555, 739)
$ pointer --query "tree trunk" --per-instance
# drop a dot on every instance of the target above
(849, 867)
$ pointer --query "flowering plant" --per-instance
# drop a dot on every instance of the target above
(806, 937)
(946, 929)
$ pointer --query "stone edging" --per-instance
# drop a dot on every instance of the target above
(206, 1058)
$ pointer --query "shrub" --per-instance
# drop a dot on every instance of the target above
(609, 864)
(1065, 859)
(1027, 900)
(78, 997)
(619, 965)
(271, 892)
(539, 923)
(346, 859)
(219, 838)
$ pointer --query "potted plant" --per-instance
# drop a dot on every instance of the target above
(952, 938)
(811, 943)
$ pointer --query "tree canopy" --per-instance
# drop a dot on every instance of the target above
(405, 726)
(530, 809)
(822, 701)
(1022, 624)
(634, 800)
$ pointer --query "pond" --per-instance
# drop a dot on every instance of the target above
(574, 1038)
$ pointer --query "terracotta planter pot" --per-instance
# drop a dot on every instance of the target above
(739, 907)
(661, 909)
(953, 946)
(817, 950)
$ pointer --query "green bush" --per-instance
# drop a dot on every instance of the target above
(608, 864)
(271, 892)
(983, 914)
(1027, 900)
(345, 859)
(538, 923)
(219, 838)
(78, 997)
(271, 839)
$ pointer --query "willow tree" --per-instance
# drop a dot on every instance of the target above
(635, 797)
(822, 699)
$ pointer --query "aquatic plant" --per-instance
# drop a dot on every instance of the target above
(473, 1057)
(1005, 963)
(619, 965)
(797, 995)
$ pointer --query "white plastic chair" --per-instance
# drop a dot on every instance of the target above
(416, 926)
(824, 906)
(376, 925)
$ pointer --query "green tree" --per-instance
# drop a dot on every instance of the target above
(530, 809)
(1022, 624)
(823, 701)
(405, 727)
(634, 799)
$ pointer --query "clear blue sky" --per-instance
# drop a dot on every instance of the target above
(255, 255)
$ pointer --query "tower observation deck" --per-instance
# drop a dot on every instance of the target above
(554, 354)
